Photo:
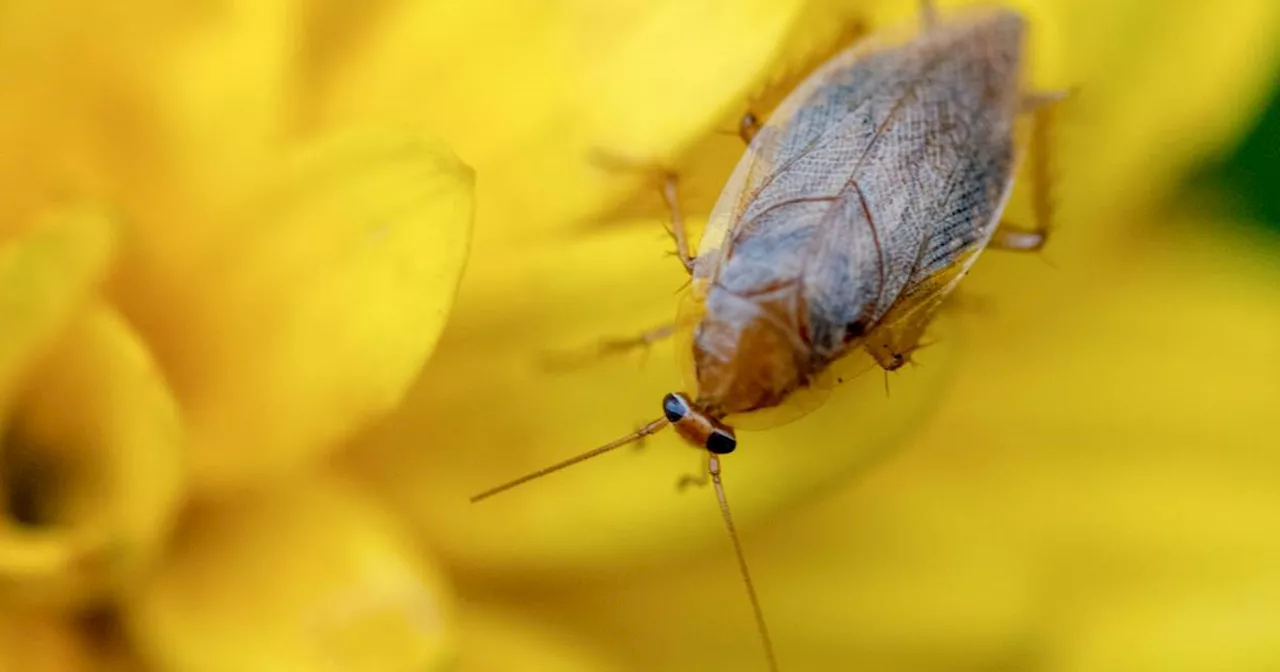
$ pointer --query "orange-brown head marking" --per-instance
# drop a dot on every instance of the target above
(697, 426)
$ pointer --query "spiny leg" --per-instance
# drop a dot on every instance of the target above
(892, 342)
(609, 347)
(670, 194)
(616, 346)
(893, 354)
(762, 104)
(668, 186)
(1013, 238)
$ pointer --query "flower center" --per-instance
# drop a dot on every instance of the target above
(32, 481)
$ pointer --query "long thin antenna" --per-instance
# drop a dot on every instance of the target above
(651, 428)
(713, 466)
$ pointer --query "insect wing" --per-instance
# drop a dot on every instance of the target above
(922, 99)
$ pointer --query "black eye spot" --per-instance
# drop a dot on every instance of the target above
(674, 408)
(721, 443)
(854, 330)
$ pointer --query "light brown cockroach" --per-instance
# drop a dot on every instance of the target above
(855, 211)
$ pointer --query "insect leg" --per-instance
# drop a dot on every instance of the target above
(897, 335)
(1013, 238)
(609, 347)
(670, 194)
(928, 15)
(689, 480)
(892, 345)
(668, 182)
(770, 95)
(1034, 101)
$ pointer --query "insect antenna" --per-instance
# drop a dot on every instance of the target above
(651, 428)
(713, 467)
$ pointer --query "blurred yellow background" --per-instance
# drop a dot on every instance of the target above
(277, 280)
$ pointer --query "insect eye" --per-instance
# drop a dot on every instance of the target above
(854, 330)
(674, 408)
(721, 442)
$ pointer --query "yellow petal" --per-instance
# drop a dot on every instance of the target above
(309, 575)
(1188, 622)
(40, 642)
(494, 639)
(1135, 402)
(58, 67)
(895, 571)
(1162, 85)
(314, 325)
(46, 275)
(527, 94)
(161, 109)
(213, 106)
(92, 469)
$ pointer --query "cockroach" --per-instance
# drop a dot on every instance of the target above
(857, 208)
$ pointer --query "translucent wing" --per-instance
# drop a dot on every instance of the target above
(819, 136)
(864, 198)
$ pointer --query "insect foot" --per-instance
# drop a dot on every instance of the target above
(667, 181)
(608, 347)
(761, 104)
(891, 358)
(690, 480)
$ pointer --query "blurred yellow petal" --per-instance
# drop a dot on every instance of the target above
(91, 469)
(527, 93)
(153, 106)
(1138, 439)
(40, 642)
(213, 106)
(224, 98)
(46, 275)
(316, 323)
(1186, 624)
(59, 75)
(896, 571)
(309, 575)
(1162, 85)
(491, 639)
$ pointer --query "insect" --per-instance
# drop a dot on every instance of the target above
(857, 208)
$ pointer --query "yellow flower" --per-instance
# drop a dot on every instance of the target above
(200, 299)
